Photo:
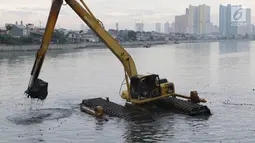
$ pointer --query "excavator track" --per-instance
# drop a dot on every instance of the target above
(116, 110)
(183, 106)
(149, 112)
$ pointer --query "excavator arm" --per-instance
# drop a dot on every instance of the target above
(96, 25)
(38, 88)
(141, 89)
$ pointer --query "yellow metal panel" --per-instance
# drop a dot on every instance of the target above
(149, 99)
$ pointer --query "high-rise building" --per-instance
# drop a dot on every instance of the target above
(248, 21)
(117, 26)
(253, 29)
(181, 24)
(226, 29)
(139, 27)
(199, 19)
(167, 28)
(223, 21)
(247, 27)
(248, 16)
(158, 27)
(193, 20)
(203, 18)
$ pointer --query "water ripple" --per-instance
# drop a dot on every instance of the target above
(39, 115)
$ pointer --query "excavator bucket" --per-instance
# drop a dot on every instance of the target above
(39, 90)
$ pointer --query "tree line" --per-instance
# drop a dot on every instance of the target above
(8, 39)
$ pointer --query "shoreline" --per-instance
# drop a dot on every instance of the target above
(10, 48)
(203, 41)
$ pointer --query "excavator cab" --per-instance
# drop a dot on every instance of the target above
(147, 88)
(144, 87)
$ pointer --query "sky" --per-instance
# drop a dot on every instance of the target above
(125, 12)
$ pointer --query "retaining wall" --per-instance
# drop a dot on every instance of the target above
(6, 48)
(36, 47)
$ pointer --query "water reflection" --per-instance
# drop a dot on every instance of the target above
(228, 47)
(99, 124)
(192, 58)
(164, 129)
(17, 59)
(235, 61)
(51, 53)
(151, 132)
(197, 124)
(233, 52)
(198, 51)
(252, 67)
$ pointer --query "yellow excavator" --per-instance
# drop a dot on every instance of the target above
(142, 90)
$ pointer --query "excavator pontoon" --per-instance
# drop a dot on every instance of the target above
(146, 95)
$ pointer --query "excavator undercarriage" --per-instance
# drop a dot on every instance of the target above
(148, 112)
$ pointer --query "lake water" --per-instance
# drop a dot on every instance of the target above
(223, 73)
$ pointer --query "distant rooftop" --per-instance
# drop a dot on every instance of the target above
(17, 25)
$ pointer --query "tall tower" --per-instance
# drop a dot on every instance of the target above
(167, 28)
(204, 17)
(225, 21)
(193, 20)
(117, 26)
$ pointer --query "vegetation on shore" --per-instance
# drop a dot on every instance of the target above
(7, 39)
(10, 40)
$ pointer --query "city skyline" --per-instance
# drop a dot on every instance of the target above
(125, 13)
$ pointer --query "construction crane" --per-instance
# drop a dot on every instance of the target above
(143, 91)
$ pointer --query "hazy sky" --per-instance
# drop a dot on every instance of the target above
(125, 12)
